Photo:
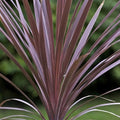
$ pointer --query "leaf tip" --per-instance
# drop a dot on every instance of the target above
(103, 3)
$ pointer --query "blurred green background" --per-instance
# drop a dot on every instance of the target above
(108, 81)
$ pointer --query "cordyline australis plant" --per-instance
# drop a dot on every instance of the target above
(60, 70)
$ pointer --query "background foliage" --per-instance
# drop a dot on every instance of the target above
(111, 78)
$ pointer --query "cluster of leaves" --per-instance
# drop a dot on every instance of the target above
(60, 71)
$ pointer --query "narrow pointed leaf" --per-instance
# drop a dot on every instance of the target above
(85, 35)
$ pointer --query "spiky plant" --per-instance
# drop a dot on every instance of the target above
(59, 68)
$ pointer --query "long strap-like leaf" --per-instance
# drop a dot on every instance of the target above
(85, 35)
(73, 35)
(60, 38)
(9, 81)
(79, 47)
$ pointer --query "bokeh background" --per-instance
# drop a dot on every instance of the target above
(108, 81)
